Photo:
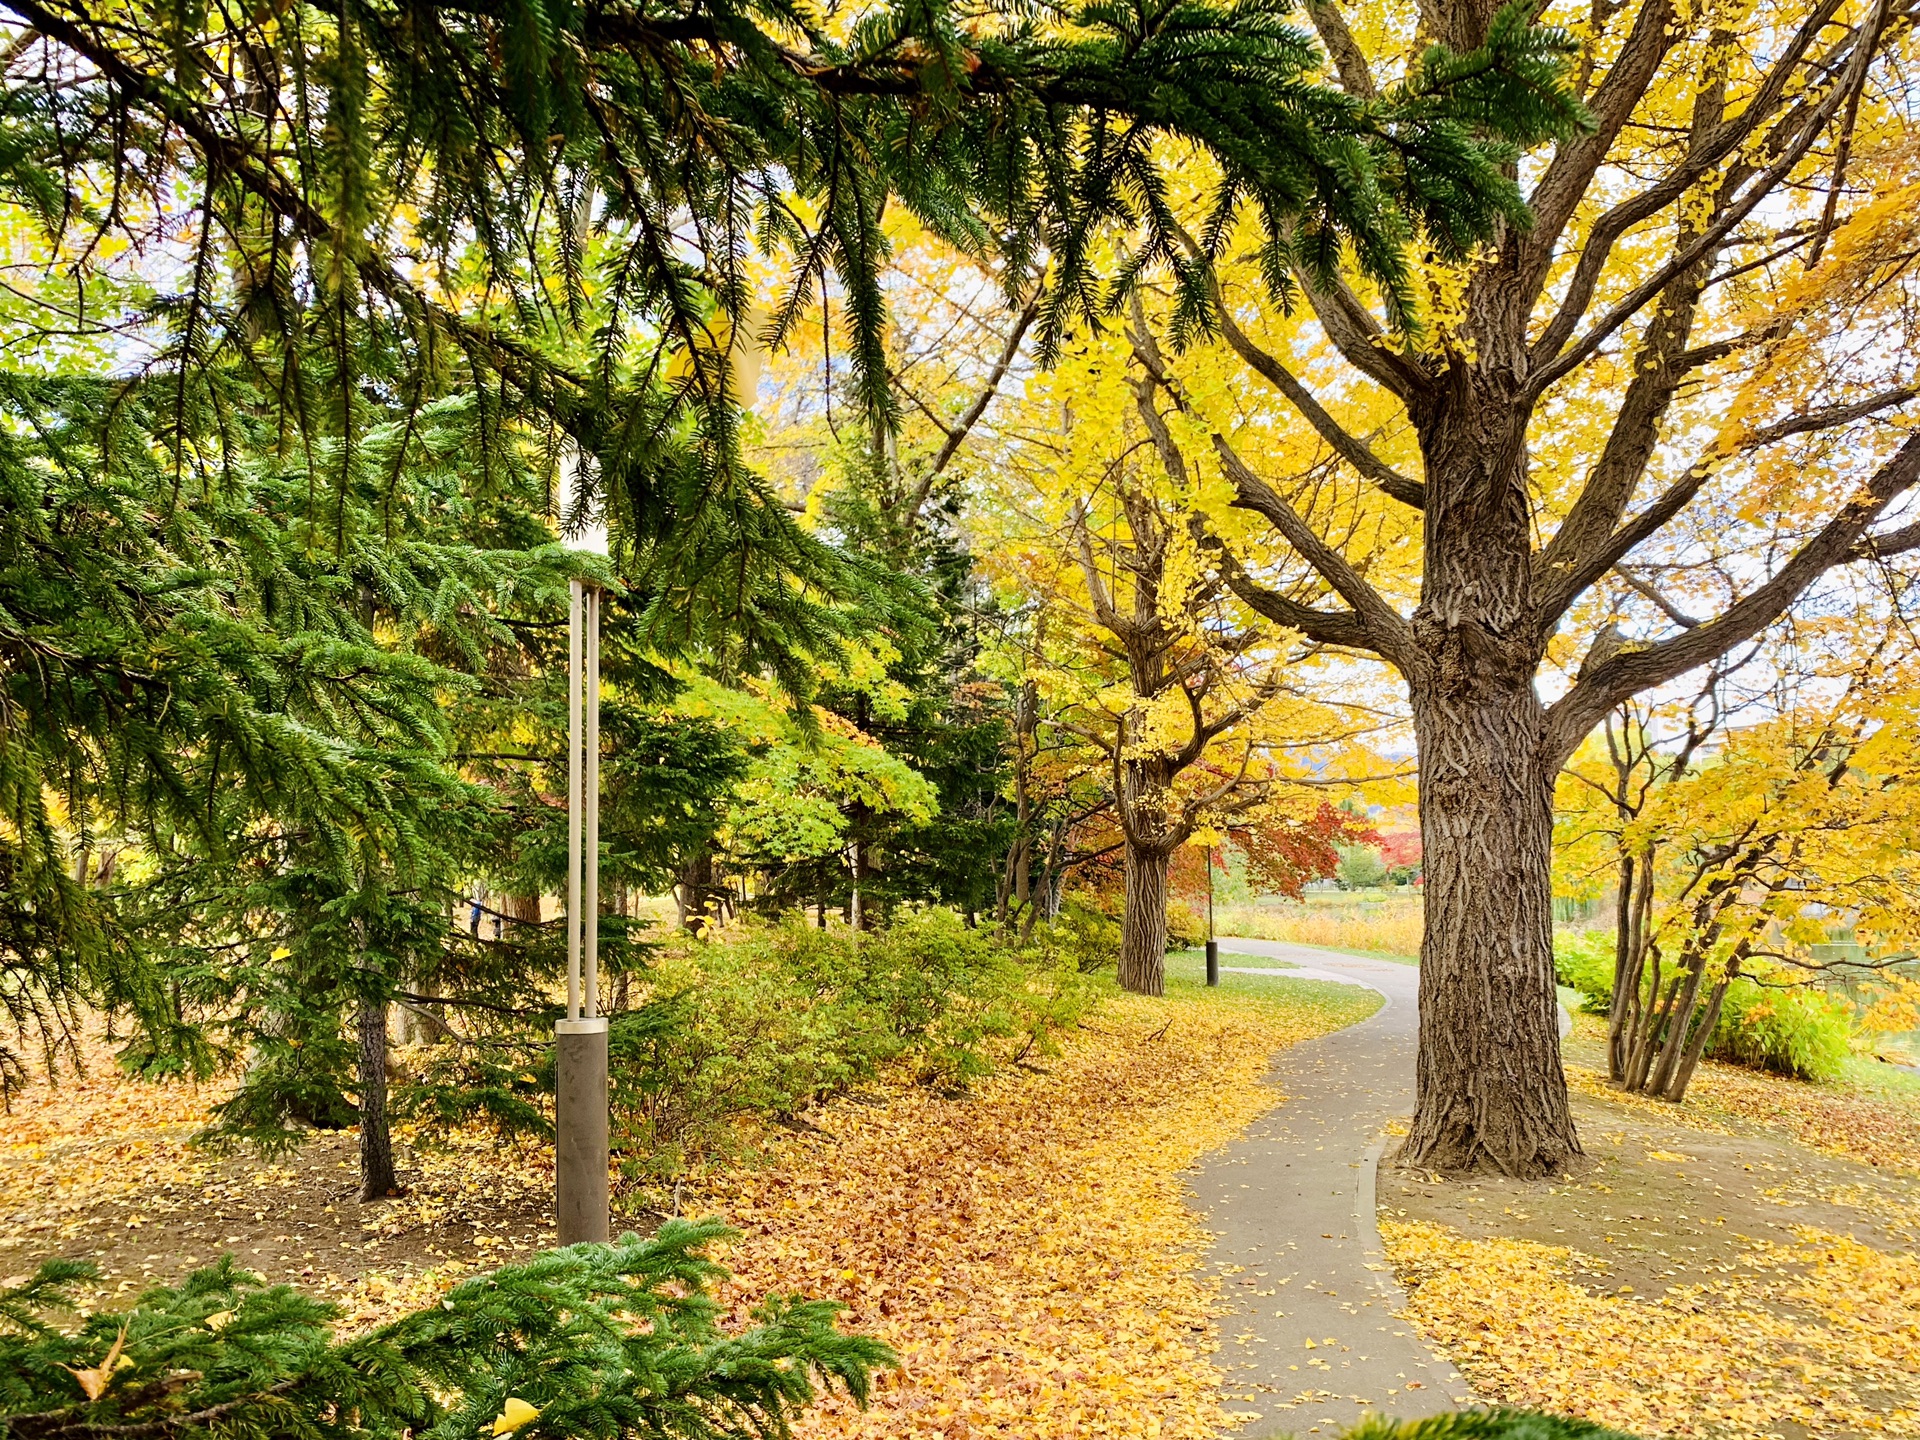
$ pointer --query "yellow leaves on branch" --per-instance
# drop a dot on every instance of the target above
(1026, 1249)
(1799, 1333)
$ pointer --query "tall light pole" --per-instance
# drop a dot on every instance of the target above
(1213, 945)
(580, 1040)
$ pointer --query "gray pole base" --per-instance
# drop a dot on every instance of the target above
(580, 1131)
(1213, 962)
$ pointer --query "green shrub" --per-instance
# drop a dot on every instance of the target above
(1186, 925)
(1082, 935)
(1583, 959)
(599, 1340)
(1484, 1425)
(769, 1021)
(1802, 1033)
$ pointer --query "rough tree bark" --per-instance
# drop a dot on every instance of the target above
(1489, 1019)
(377, 1178)
(1143, 922)
(1504, 564)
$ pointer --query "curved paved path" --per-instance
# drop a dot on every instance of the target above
(1311, 1334)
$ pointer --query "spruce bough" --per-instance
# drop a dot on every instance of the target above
(599, 1340)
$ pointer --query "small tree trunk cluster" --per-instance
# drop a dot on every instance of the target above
(1661, 1023)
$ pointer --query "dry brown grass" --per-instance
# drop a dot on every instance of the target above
(1391, 926)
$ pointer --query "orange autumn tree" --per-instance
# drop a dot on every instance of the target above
(1691, 371)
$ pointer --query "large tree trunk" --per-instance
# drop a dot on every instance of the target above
(1490, 1088)
(693, 893)
(1143, 923)
(377, 1179)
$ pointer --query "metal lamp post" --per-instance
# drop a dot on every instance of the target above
(1213, 945)
(580, 1040)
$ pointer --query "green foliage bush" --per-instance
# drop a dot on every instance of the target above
(769, 1021)
(1186, 925)
(1082, 935)
(1485, 1425)
(602, 1341)
(1583, 960)
(1801, 1033)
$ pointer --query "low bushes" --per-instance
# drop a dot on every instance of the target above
(1583, 960)
(1802, 1033)
(765, 1022)
(1796, 1031)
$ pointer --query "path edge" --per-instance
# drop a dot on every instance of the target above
(1366, 1222)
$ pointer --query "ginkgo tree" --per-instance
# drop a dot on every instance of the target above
(1662, 407)
(1748, 843)
(1201, 713)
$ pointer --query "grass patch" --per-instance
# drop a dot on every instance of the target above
(1327, 1004)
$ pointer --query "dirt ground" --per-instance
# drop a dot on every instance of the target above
(99, 1168)
(1671, 1201)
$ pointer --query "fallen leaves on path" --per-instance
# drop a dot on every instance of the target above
(1824, 1333)
(1027, 1248)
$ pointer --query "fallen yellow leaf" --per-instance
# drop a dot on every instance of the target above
(514, 1414)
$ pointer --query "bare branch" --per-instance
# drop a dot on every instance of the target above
(1633, 670)
(1551, 358)
(1578, 160)
(1349, 446)
(957, 432)
(1580, 573)
(1666, 607)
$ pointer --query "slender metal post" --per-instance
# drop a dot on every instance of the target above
(590, 851)
(575, 649)
(1213, 945)
(580, 1040)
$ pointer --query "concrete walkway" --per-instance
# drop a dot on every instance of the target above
(1312, 1342)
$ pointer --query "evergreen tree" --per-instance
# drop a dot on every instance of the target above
(561, 204)
(603, 1341)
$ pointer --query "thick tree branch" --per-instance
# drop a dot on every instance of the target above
(1348, 61)
(1387, 632)
(1634, 670)
(1347, 445)
(1341, 628)
(1358, 337)
(1665, 606)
